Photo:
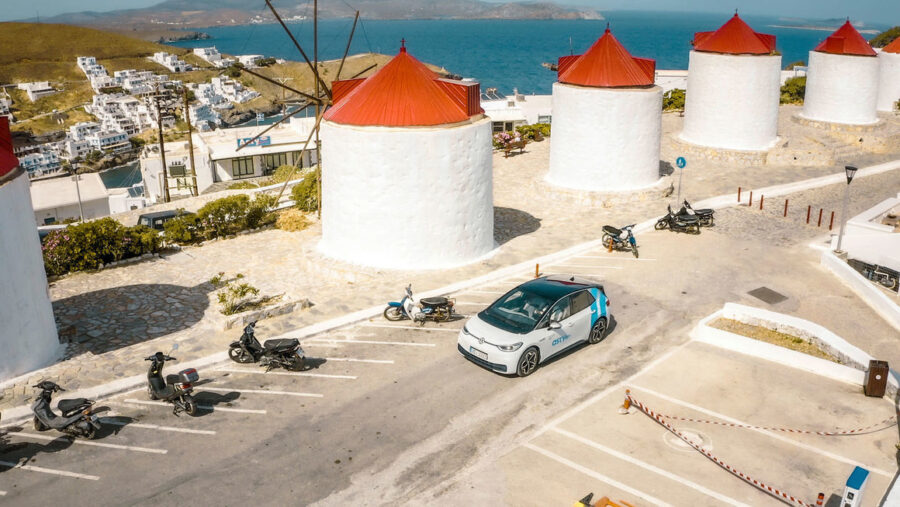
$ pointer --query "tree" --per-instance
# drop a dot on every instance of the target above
(798, 63)
(886, 37)
(793, 90)
(673, 100)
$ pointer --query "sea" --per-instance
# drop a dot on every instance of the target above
(507, 54)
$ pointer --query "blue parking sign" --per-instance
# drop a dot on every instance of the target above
(680, 162)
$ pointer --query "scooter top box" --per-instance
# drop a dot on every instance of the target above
(189, 375)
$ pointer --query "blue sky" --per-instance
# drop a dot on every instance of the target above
(879, 11)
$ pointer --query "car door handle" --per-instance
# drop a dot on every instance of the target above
(570, 324)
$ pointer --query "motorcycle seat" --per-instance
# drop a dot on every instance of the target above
(69, 405)
(173, 379)
(611, 230)
(688, 219)
(281, 344)
(435, 301)
(704, 211)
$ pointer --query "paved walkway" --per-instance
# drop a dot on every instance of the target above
(128, 312)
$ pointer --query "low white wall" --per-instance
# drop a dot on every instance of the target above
(605, 139)
(889, 81)
(407, 198)
(841, 89)
(28, 339)
(732, 101)
(872, 295)
(92, 209)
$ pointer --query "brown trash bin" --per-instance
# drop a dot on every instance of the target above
(876, 378)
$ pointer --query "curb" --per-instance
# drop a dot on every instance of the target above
(730, 341)
(869, 293)
(722, 201)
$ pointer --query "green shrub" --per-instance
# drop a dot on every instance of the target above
(235, 296)
(306, 193)
(534, 132)
(793, 90)
(259, 211)
(798, 63)
(90, 244)
(886, 37)
(223, 216)
(183, 229)
(673, 100)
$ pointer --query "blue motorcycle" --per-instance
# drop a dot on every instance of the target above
(438, 309)
(614, 239)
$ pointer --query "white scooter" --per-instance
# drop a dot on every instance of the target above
(438, 309)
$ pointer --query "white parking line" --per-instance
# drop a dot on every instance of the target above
(596, 475)
(411, 328)
(583, 266)
(611, 258)
(764, 432)
(262, 391)
(87, 442)
(51, 471)
(472, 303)
(286, 373)
(2, 493)
(646, 466)
(204, 407)
(325, 342)
(352, 360)
(106, 420)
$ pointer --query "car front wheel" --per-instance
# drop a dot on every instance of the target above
(528, 362)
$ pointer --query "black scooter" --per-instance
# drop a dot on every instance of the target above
(681, 223)
(705, 215)
(284, 352)
(175, 389)
(613, 238)
(77, 418)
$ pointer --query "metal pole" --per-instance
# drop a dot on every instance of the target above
(843, 218)
(162, 150)
(318, 79)
(78, 193)
(680, 174)
(187, 118)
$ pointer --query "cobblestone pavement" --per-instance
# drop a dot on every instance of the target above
(128, 312)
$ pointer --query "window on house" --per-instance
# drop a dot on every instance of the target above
(298, 158)
(274, 161)
(242, 167)
(545, 118)
(497, 126)
(177, 171)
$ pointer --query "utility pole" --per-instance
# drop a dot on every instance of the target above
(283, 80)
(187, 118)
(162, 146)
(78, 193)
(316, 77)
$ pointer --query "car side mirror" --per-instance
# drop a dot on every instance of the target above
(554, 325)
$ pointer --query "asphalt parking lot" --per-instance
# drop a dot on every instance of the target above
(390, 413)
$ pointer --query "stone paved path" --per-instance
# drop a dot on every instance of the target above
(131, 311)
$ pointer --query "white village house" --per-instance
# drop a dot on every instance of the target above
(889, 77)
(37, 89)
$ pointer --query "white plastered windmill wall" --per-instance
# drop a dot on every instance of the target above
(605, 139)
(841, 89)
(407, 198)
(28, 337)
(732, 101)
(889, 81)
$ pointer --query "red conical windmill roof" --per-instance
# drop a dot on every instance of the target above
(403, 93)
(893, 47)
(845, 41)
(8, 160)
(736, 38)
(606, 64)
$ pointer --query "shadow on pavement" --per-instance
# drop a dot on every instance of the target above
(205, 398)
(511, 223)
(27, 451)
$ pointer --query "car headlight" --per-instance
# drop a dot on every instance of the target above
(465, 330)
(510, 348)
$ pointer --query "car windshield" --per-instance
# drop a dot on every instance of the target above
(518, 311)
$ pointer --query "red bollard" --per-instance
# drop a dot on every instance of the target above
(820, 218)
(808, 211)
(762, 198)
(820, 500)
(751, 199)
(831, 222)
(785, 208)
(739, 194)
(537, 270)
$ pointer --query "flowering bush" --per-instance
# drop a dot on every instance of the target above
(502, 140)
(90, 244)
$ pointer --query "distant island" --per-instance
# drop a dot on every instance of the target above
(164, 21)
(822, 28)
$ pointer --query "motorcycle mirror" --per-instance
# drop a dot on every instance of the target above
(174, 348)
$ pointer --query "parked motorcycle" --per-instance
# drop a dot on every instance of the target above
(438, 309)
(887, 277)
(284, 352)
(175, 389)
(613, 238)
(681, 223)
(77, 418)
(705, 215)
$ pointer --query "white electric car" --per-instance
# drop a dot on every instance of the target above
(535, 321)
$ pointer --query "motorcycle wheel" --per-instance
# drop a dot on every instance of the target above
(38, 425)
(295, 364)
(190, 406)
(445, 315)
(660, 225)
(150, 394)
(393, 313)
(238, 355)
(710, 221)
(90, 433)
(634, 251)
(888, 281)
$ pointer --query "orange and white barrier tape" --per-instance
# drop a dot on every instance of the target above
(781, 495)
